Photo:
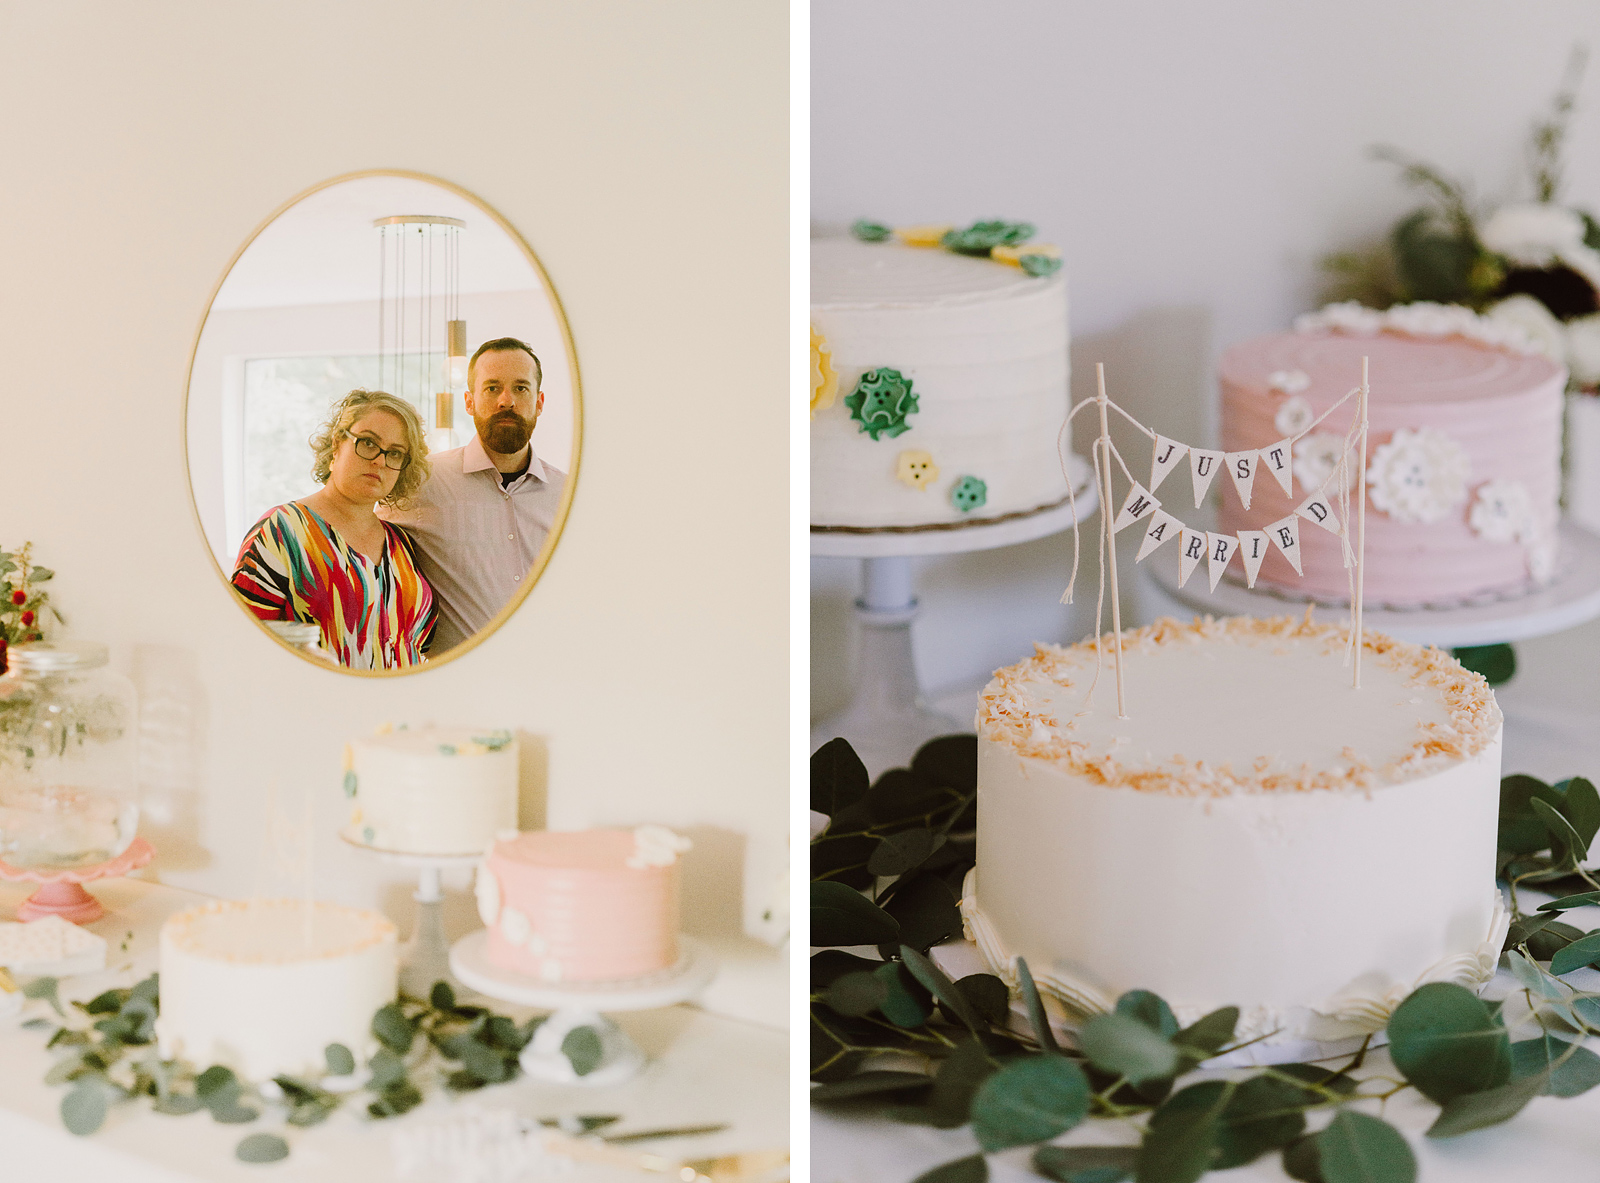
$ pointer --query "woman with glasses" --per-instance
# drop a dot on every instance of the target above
(328, 559)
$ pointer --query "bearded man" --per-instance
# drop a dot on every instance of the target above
(483, 516)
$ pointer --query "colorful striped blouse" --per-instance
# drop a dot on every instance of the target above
(375, 614)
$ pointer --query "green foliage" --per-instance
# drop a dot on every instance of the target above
(841, 915)
(1447, 1042)
(1356, 1148)
(1086, 1164)
(972, 1169)
(583, 1049)
(1182, 1135)
(1029, 1100)
(1497, 663)
(869, 231)
(262, 1148)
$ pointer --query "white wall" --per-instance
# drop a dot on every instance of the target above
(641, 150)
(1193, 162)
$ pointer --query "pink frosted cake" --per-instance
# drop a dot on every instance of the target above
(582, 906)
(1463, 458)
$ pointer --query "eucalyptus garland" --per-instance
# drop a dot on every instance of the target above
(896, 1036)
(106, 1052)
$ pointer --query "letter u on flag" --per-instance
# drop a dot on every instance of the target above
(1204, 471)
(1139, 503)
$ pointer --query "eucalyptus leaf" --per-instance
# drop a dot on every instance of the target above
(233, 1114)
(1522, 929)
(45, 988)
(841, 915)
(1029, 1100)
(83, 1109)
(177, 1104)
(1208, 1034)
(927, 911)
(393, 1029)
(442, 996)
(830, 965)
(1474, 1111)
(387, 1070)
(950, 761)
(1182, 1134)
(898, 853)
(1497, 663)
(1532, 978)
(856, 994)
(838, 777)
(1582, 808)
(869, 1084)
(1570, 901)
(1445, 1041)
(1573, 1069)
(1086, 1164)
(262, 1148)
(905, 1002)
(1150, 1009)
(217, 1081)
(1562, 834)
(340, 1061)
(1551, 939)
(1036, 1013)
(491, 1067)
(988, 997)
(1582, 952)
(107, 1003)
(1356, 1148)
(583, 1050)
(1125, 1046)
(1262, 1115)
(942, 988)
(956, 1083)
(1301, 1160)
(972, 1169)
(1521, 831)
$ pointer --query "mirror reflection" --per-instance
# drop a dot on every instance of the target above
(382, 417)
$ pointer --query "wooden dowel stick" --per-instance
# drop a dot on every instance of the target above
(1361, 526)
(1106, 513)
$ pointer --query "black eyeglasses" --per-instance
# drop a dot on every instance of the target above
(370, 449)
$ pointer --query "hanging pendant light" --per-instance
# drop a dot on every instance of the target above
(419, 317)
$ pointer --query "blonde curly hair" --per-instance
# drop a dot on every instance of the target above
(350, 408)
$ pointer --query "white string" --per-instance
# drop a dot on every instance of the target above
(1072, 500)
(1118, 457)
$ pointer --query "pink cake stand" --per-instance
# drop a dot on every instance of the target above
(61, 890)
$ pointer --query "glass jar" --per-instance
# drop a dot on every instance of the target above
(68, 757)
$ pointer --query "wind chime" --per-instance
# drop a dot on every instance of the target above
(1327, 506)
(419, 311)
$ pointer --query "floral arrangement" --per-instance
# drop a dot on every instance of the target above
(894, 1035)
(22, 602)
(1532, 265)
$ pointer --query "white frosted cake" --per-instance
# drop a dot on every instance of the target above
(965, 361)
(263, 988)
(582, 905)
(1257, 833)
(432, 790)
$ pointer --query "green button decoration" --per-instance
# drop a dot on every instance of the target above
(982, 237)
(350, 783)
(881, 402)
(447, 749)
(1040, 265)
(368, 834)
(968, 494)
(869, 231)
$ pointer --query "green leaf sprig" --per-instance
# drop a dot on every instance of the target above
(957, 1061)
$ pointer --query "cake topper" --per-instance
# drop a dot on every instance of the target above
(1141, 506)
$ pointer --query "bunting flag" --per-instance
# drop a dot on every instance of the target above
(1278, 459)
(1161, 527)
(1205, 464)
(1285, 535)
(1316, 509)
(1253, 547)
(1137, 505)
(1164, 459)
(1242, 468)
(1219, 549)
(1191, 549)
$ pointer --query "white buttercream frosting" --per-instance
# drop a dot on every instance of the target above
(1422, 319)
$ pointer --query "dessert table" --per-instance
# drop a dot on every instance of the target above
(704, 1069)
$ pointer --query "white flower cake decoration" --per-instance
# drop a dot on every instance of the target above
(1294, 416)
(656, 846)
(1502, 511)
(1418, 476)
(1316, 459)
(1288, 381)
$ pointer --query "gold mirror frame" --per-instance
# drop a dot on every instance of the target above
(556, 529)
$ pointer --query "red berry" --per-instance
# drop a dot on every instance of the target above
(19, 597)
(27, 617)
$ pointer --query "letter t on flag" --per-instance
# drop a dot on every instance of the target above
(1278, 459)
(1138, 504)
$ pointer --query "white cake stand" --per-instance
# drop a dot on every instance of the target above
(425, 955)
(580, 1004)
(887, 719)
(1572, 599)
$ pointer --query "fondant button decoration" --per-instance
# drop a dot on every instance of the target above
(969, 493)
(916, 469)
(928, 236)
(1036, 258)
(881, 402)
(1418, 476)
(824, 379)
(982, 237)
(869, 231)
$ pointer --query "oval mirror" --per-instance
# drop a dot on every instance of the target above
(383, 421)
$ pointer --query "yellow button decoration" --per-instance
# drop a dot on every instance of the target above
(1013, 254)
(824, 381)
(916, 469)
(922, 235)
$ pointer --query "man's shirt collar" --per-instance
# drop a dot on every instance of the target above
(475, 459)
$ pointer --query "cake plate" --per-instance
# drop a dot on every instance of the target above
(1570, 600)
(581, 1004)
(425, 956)
(61, 890)
(887, 720)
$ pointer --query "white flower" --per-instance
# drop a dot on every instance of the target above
(1427, 319)
(1418, 476)
(656, 846)
(1542, 559)
(1348, 317)
(514, 925)
(1532, 234)
(488, 891)
(1502, 511)
(1583, 349)
(1315, 458)
(1544, 331)
(1294, 416)
(1288, 381)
